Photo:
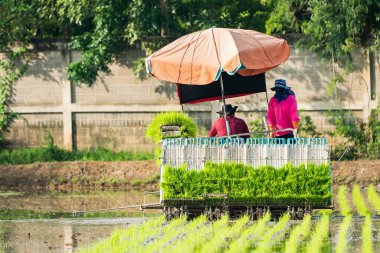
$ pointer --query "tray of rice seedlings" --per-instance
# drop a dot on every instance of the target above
(237, 188)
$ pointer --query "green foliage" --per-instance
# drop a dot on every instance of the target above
(187, 126)
(257, 126)
(363, 136)
(138, 68)
(101, 30)
(52, 153)
(240, 182)
(9, 74)
(307, 127)
(333, 29)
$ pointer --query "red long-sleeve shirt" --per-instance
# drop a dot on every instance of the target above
(237, 126)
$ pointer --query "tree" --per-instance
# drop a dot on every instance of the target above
(102, 30)
(333, 28)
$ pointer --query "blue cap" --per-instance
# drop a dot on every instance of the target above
(280, 83)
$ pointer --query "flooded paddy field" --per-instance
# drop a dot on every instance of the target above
(48, 221)
(78, 234)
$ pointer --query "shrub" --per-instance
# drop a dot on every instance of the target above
(363, 136)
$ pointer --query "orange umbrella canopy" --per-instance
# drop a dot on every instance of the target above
(201, 57)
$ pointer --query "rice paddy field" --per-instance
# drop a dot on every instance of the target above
(354, 229)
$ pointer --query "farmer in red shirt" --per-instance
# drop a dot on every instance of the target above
(237, 126)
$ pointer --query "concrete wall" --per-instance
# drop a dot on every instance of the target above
(115, 111)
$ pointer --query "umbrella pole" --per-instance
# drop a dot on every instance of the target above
(224, 106)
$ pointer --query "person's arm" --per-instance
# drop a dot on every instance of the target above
(271, 118)
(213, 130)
(294, 113)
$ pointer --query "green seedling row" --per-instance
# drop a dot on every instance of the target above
(172, 234)
(249, 236)
(130, 235)
(373, 197)
(367, 246)
(267, 243)
(320, 234)
(341, 246)
(358, 201)
(219, 240)
(141, 245)
(300, 231)
(345, 208)
(286, 184)
(194, 241)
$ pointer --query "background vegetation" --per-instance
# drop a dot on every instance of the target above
(52, 153)
(102, 30)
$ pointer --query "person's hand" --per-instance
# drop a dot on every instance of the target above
(272, 134)
(295, 125)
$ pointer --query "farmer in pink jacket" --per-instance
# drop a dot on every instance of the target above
(282, 110)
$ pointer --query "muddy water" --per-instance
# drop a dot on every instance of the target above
(354, 233)
(19, 234)
(56, 235)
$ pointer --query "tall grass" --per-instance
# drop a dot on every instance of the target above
(56, 154)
